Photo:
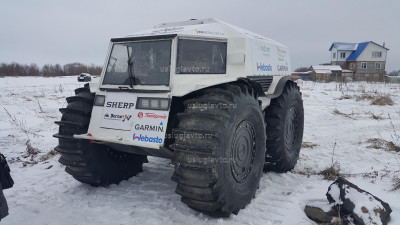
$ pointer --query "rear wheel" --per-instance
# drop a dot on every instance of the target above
(95, 164)
(219, 150)
(284, 127)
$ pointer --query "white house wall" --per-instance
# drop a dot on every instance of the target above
(334, 50)
(342, 59)
(366, 55)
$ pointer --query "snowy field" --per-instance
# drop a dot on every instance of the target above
(342, 128)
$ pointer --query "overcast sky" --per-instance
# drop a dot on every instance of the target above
(61, 31)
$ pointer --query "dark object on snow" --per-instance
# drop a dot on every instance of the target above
(3, 204)
(84, 77)
(5, 177)
(362, 206)
(5, 182)
(318, 215)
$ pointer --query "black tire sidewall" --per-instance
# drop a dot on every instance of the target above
(237, 195)
(294, 101)
(279, 158)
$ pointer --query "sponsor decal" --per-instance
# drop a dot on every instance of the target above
(120, 105)
(126, 117)
(209, 32)
(281, 52)
(140, 115)
(168, 30)
(155, 116)
(265, 50)
(282, 68)
(262, 67)
(145, 138)
(145, 127)
(112, 116)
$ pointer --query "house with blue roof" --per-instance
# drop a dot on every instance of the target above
(365, 59)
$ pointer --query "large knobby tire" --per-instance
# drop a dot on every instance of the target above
(94, 164)
(219, 150)
(284, 127)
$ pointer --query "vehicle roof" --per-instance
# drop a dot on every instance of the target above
(211, 28)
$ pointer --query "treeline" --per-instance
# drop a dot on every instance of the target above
(394, 73)
(47, 70)
(302, 69)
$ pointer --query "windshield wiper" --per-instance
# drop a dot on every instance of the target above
(130, 68)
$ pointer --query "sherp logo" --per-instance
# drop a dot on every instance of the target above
(145, 138)
(262, 67)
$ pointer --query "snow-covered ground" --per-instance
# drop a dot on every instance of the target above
(338, 126)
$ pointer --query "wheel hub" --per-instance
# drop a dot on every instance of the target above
(243, 151)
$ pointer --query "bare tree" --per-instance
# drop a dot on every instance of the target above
(16, 69)
(394, 73)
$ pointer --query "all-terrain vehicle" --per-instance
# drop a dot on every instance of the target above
(216, 99)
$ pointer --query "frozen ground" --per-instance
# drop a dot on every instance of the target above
(337, 128)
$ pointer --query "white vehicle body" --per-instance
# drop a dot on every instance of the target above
(249, 57)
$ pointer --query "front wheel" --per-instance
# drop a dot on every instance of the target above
(220, 157)
(94, 164)
(284, 127)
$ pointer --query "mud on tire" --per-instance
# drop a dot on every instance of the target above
(284, 127)
(94, 164)
(219, 150)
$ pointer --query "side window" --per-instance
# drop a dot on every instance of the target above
(118, 59)
(201, 57)
(364, 65)
(376, 54)
(334, 55)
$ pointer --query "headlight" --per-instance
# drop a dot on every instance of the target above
(153, 103)
(99, 100)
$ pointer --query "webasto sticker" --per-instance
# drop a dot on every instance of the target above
(145, 138)
(262, 67)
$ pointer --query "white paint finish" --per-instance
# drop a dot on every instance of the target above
(118, 111)
(116, 131)
(269, 58)
(240, 44)
(366, 55)
(334, 51)
(248, 54)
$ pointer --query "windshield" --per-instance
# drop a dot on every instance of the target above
(139, 63)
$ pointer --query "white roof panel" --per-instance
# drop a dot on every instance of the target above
(204, 27)
(345, 46)
(327, 67)
(323, 71)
